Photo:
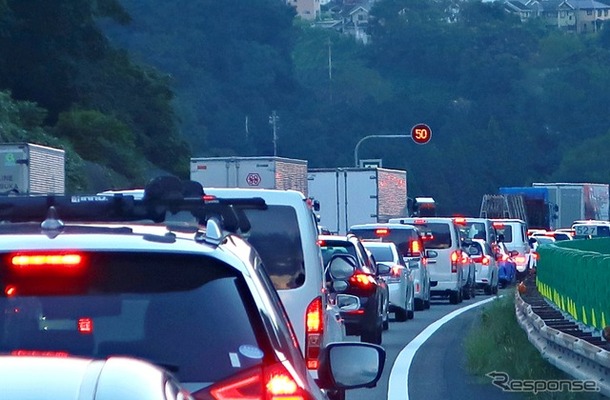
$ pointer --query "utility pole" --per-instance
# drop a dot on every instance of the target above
(273, 120)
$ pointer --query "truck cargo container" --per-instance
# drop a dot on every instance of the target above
(250, 172)
(540, 212)
(577, 201)
(28, 168)
(350, 196)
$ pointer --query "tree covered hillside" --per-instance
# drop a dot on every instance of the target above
(509, 103)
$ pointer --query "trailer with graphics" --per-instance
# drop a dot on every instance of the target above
(250, 172)
(350, 196)
(28, 168)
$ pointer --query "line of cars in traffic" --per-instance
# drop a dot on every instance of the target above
(222, 294)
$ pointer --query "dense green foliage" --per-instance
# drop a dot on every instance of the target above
(509, 103)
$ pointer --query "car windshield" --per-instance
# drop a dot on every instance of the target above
(153, 306)
(475, 230)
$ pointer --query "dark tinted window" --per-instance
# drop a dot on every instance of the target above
(275, 235)
(330, 248)
(507, 231)
(169, 309)
(381, 254)
(437, 235)
(400, 237)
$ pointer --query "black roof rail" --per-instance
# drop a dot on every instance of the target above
(163, 197)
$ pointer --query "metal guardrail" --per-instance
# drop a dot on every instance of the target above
(575, 356)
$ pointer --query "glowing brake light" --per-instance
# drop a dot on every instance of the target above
(209, 197)
(321, 243)
(486, 260)
(396, 271)
(362, 280)
(520, 259)
(415, 247)
(498, 225)
(269, 382)
(419, 221)
(37, 263)
(381, 232)
(314, 322)
(455, 257)
(459, 221)
(39, 353)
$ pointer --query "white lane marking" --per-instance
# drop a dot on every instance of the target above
(398, 385)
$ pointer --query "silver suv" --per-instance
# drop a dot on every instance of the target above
(81, 277)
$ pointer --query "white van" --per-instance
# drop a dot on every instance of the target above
(513, 232)
(450, 276)
(285, 235)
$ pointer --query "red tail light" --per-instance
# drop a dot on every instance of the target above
(39, 353)
(271, 382)
(396, 271)
(314, 321)
(498, 225)
(478, 259)
(520, 259)
(455, 257)
(485, 260)
(415, 247)
(536, 255)
(417, 288)
(419, 221)
(465, 259)
(321, 243)
(209, 197)
(362, 280)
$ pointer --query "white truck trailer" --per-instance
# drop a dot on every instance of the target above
(577, 201)
(350, 196)
(27, 168)
(250, 172)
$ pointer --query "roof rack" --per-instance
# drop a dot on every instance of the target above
(163, 197)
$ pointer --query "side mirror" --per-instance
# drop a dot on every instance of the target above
(350, 365)
(339, 286)
(342, 266)
(383, 269)
(347, 302)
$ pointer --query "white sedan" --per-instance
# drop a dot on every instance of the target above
(398, 278)
(485, 264)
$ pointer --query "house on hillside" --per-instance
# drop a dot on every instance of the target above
(573, 15)
(306, 9)
(350, 17)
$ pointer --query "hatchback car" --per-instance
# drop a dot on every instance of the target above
(485, 263)
(78, 378)
(399, 279)
(366, 283)
(408, 240)
(513, 233)
(104, 288)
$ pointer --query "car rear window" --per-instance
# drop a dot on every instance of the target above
(399, 236)
(275, 235)
(331, 247)
(476, 230)
(381, 253)
(437, 235)
(172, 310)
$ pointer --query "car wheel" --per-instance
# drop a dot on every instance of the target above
(419, 304)
(488, 289)
(466, 291)
(401, 315)
(373, 336)
(454, 296)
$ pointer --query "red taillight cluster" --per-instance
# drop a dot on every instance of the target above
(382, 232)
(396, 271)
(486, 260)
(415, 247)
(272, 382)
(35, 264)
(314, 323)
(455, 257)
(362, 280)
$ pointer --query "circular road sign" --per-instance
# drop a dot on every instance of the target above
(253, 179)
(421, 133)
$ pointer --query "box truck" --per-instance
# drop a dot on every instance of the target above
(577, 201)
(350, 196)
(28, 168)
(250, 172)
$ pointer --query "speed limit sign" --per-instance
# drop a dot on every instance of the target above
(421, 133)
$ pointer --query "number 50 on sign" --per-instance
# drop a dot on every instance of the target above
(421, 133)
